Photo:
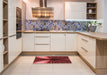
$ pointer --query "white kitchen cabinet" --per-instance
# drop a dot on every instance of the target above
(58, 41)
(75, 10)
(1, 16)
(42, 41)
(28, 42)
(71, 42)
(1, 61)
(12, 17)
(12, 48)
(1, 55)
(87, 48)
(19, 45)
(92, 52)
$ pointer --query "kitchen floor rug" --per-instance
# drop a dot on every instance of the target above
(51, 59)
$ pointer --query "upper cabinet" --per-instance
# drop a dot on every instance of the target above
(75, 10)
(12, 17)
(91, 10)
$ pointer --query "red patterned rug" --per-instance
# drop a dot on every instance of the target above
(51, 59)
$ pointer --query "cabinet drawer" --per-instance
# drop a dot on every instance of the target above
(42, 47)
(84, 51)
(84, 40)
(42, 40)
(42, 34)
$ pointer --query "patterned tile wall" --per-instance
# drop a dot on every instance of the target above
(48, 25)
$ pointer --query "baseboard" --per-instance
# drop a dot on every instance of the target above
(10, 64)
(91, 67)
(49, 53)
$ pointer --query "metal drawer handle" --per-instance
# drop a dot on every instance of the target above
(85, 40)
(42, 44)
(84, 49)
(42, 36)
(12, 35)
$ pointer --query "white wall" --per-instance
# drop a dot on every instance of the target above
(29, 5)
(57, 4)
(58, 8)
(19, 3)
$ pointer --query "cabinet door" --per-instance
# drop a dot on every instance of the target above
(58, 42)
(71, 42)
(19, 45)
(1, 55)
(28, 42)
(75, 10)
(12, 48)
(1, 10)
(12, 17)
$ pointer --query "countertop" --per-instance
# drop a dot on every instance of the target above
(96, 35)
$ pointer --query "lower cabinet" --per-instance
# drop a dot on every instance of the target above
(1, 55)
(49, 42)
(28, 42)
(42, 42)
(71, 42)
(87, 49)
(19, 45)
(58, 41)
(12, 48)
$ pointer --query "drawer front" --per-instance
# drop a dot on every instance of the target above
(42, 47)
(84, 52)
(84, 41)
(42, 40)
(42, 34)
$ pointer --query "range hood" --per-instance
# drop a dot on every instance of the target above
(43, 11)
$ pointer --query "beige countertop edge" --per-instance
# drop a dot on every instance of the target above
(93, 36)
(47, 32)
(98, 36)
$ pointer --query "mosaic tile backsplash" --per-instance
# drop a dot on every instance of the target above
(48, 25)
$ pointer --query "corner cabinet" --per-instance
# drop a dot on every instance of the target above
(75, 10)
(87, 49)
